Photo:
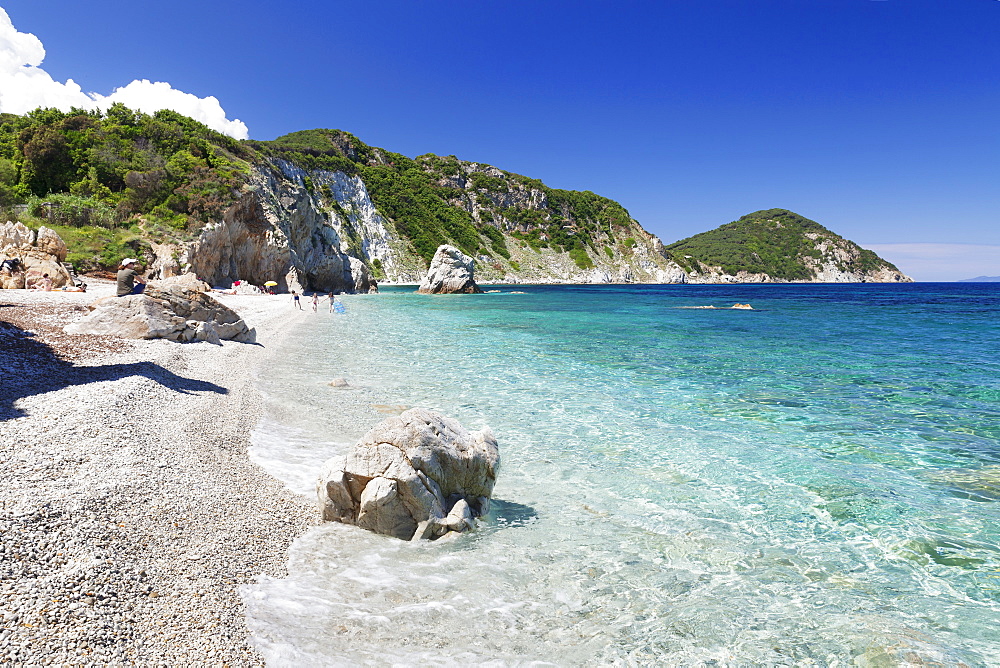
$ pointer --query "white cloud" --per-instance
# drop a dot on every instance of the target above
(25, 86)
(941, 262)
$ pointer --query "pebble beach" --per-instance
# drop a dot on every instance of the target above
(130, 513)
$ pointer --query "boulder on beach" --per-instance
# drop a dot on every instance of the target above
(177, 313)
(50, 243)
(186, 281)
(38, 253)
(415, 475)
(452, 271)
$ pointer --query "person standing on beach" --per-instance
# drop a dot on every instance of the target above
(129, 281)
(315, 302)
(331, 298)
(295, 299)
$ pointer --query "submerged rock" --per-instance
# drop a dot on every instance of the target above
(451, 271)
(416, 475)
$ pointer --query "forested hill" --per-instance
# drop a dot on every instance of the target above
(115, 183)
(433, 199)
(779, 245)
(112, 183)
(167, 189)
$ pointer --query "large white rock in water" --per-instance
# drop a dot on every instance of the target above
(176, 313)
(451, 271)
(415, 475)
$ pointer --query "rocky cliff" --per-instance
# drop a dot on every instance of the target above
(392, 213)
(318, 229)
(281, 230)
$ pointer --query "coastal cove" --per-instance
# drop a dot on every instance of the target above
(815, 479)
(521, 335)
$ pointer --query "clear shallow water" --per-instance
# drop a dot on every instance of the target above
(814, 480)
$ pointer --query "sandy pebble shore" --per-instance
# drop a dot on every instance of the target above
(129, 510)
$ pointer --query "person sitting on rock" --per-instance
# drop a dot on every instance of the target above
(44, 283)
(129, 281)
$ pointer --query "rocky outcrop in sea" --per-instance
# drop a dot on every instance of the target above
(419, 475)
(451, 272)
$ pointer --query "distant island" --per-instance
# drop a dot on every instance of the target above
(981, 279)
(778, 246)
(321, 210)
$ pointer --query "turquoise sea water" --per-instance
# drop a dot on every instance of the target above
(814, 482)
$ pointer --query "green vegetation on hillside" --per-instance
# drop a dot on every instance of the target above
(167, 168)
(406, 195)
(92, 237)
(772, 242)
(431, 199)
(330, 150)
(112, 180)
(569, 221)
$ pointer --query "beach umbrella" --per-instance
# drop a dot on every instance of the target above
(270, 283)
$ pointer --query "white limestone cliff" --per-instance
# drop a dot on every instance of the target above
(306, 231)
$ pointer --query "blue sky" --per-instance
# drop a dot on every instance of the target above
(876, 118)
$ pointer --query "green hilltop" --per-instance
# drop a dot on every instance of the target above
(775, 242)
(111, 183)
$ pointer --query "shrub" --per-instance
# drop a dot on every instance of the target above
(580, 258)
